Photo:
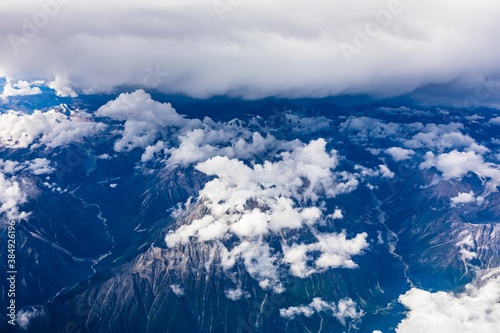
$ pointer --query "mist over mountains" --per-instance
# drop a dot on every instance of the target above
(249, 166)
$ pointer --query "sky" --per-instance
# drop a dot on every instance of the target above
(437, 52)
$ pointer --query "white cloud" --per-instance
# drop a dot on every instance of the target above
(21, 88)
(337, 214)
(474, 117)
(10, 166)
(441, 137)
(196, 146)
(465, 198)
(455, 164)
(191, 50)
(382, 171)
(345, 309)
(494, 121)
(62, 86)
(215, 139)
(150, 151)
(362, 129)
(50, 129)
(236, 294)
(466, 246)
(104, 157)
(178, 290)
(11, 196)
(475, 310)
(251, 202)
(144, 119)
(399, 154)
(336, 251)
(26, 314)
(40, 166)
(405, 111)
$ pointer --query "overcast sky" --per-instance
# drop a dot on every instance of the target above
(445, 51)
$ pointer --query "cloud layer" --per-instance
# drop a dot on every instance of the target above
(475, 310)
(256, 49)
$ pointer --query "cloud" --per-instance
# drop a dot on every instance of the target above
(362, 129)
(335, 251)
(465, 198)
(21, 88)
(62, 86)
(494, 121)
(382, 171)
(144, 119)
(236, 294)
(216, 139)
(399, 154)
(178, 290)
(403, 110)
(193, 50)
(26, 314)
(441, 137)
(50, 129)
(337, 214)
(455, 165)
(466, 246)
(11, 196)
(251, 202)
(10, 166)
(104, 157)
(40, 166)
(475, 310)
(345, 309)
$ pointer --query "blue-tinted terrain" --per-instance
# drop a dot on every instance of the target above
(227, 215)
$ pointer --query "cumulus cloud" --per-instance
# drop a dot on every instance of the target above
(27, 314)
(442, 137)
(62, 86)
(144, 119)
(337, 214)
(236, 294)
(40, 166)
(436, 137)
(466, 246)
(336, 251)
(362, 129)
(50, 129)
(252, 202)
(177, 289)
(212, 140)
(344, 310)
(11, 196)
(21, 88)
(475, 310)
(399, 154)
(494, 121)
(455, 164)
(382, 171)
(196, 50)
(465, 198)
(9, 166)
